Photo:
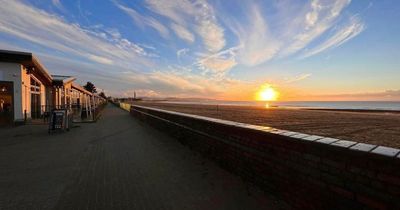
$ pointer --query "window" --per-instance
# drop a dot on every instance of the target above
(35, 86)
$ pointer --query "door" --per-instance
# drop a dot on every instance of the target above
(35, 106)
(6, 103)
(35, 99)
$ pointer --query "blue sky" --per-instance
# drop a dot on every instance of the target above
(306, 49)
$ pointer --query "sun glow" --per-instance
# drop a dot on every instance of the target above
(267, 93)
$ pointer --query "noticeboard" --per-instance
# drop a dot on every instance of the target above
(58, 120)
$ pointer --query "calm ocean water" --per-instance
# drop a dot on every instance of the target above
(363, 105)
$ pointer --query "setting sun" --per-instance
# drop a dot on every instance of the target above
(267, 93)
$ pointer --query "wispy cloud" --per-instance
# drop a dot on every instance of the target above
(297, 78)
(317, 21)
(352, 29)
(387, 95)
(142, 20)
(57, 4)
(52, 32)
(261, 44)
(208, 28)
(181, 52)
(219, 63)
(189, 18)
(218, 66)
(182, 32)
(258, 44)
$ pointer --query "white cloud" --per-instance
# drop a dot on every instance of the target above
(219, 63)
(176, 10)
(298, 78)
(99, 59)
(181, 52)
(208, 28)
(199, 14)
(386, 95)
(182, 33)
(299, 28)
(57, 3)
(144, 20)
(317, 21)
(313, 15)
(352, 29)
(258, 44)
(54, 33)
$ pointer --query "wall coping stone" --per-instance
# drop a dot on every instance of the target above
(312, 138)
(387, 151)
(343, 144)
(363, 147)
(327, 140)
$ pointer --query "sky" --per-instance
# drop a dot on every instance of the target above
(221, 49)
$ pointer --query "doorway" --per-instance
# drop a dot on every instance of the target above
(35, 106)
(35, 99)
(6, 103)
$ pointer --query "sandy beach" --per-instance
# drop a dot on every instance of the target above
(380, 128)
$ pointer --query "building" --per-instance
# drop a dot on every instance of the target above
(82, 101)
(62, 90)
(24, 85)
(28, 91)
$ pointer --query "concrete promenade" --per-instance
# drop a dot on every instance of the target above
(116, 163)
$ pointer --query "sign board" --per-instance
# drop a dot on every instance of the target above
(58, 120)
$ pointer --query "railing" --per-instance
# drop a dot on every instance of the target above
(80, 112)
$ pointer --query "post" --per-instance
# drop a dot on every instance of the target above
(86, 106)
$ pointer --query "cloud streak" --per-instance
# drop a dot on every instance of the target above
(54, 33)
(142, 20)
(298, 78)
(182, 33)
(258, 44)
(189, 18)
(316, 22)
(387, 95)
(351, 30)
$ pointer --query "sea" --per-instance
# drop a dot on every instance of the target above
(345, 105)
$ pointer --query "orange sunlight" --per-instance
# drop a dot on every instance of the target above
(267, 93)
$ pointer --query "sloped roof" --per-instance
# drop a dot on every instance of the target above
(60, 80)
(63, 78)
(27, 59)
(80, 88)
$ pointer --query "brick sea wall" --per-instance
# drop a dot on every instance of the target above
(308, 172)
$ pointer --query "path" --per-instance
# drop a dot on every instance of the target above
(116, 163)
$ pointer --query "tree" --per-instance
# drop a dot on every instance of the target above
(90, 87)
(101, 94)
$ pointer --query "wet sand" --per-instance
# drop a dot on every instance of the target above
(380, 128)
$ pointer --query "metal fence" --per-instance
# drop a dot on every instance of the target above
(79, 112)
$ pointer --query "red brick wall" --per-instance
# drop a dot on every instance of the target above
(306, 174)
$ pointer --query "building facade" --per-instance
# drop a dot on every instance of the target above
(28, 91)
(23, 86)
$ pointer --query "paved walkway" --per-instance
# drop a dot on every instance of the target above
(116, 163)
